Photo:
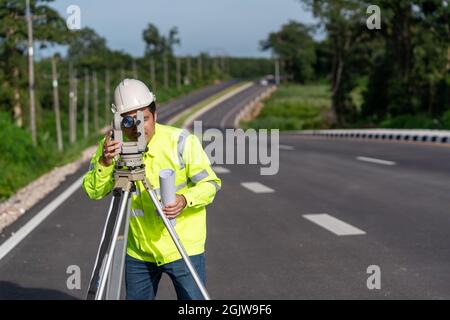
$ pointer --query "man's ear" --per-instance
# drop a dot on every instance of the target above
(154, 116)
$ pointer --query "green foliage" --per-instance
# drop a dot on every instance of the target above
(295, 46)
(406, 63)
(409, 70)
(22, 162)
(48, 28)
(294, 107)
(157, 44)
(248, 68)
(409, 121)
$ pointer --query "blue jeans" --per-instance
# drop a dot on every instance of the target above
(142, 278)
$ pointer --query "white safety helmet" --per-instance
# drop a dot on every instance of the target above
(131, 94)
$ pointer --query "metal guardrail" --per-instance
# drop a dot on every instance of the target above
(419, 135)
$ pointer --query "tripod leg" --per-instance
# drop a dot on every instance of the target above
(125, 243)
(104, 243)
(176, 240)
(115, 234)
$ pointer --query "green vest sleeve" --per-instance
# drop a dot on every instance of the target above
(98, 181)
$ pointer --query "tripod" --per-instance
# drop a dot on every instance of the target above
(125, 182)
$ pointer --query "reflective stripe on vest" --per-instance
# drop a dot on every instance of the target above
(199, 176)
(180, 146)
(215, 185)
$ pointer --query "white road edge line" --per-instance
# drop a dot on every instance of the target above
(378, 161)
(333, 224)
(17, 237)
(257, 187)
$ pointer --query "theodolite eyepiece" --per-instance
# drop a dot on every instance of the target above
(128, 122)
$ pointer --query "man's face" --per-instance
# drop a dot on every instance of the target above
(149, 124)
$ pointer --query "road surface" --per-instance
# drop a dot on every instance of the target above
(335, 209)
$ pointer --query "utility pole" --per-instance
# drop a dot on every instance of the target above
(107, 97)
(56, 105)
(166, 71)
(135, 72)
(188, 69)
(216, 64)
(222, 64)
(71, 97)
(95, 96)
(152, 74)
(75, 104)
(178, 73)
(86, 104)
(31, 73)
(277, 71)
(199, 68)
(72, 104)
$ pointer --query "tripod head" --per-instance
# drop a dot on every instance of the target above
(131, 151)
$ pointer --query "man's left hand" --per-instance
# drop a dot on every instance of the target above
(174, 209)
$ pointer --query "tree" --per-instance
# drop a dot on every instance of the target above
(294, 45)
(157, 44)
(48, 28)
(409, 75)
(87, 49)
(343, 21)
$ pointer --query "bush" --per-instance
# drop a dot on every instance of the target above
(20, 159)
(294, 107)
(22, 162)
(445, 120)
(409, 121)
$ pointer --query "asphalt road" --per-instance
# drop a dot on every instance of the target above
(36, 268)
(261, 246)
(223, 115)
(179, 105)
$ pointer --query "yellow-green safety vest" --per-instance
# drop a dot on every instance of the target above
(169, 148)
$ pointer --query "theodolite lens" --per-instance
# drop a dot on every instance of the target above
(128, 122)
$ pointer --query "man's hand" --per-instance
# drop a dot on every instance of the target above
(111, 148)
(174, 209)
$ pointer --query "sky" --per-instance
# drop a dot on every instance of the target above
(230, 27)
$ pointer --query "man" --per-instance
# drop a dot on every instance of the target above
(150, 250)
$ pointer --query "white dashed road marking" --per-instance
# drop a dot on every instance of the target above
(286, 147)
(333, 224)
(257, 187)
(220, 169)
(378, 161)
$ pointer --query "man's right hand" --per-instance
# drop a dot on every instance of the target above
(111, 148)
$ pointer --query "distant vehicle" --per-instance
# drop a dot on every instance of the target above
(263, 82)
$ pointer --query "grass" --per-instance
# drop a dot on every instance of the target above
(294, 107)
(22, 162)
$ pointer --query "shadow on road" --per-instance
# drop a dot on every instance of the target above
(11, 291)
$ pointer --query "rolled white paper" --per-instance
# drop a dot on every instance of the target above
(167, 188)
